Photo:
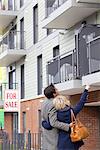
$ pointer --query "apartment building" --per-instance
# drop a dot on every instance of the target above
(49, 41)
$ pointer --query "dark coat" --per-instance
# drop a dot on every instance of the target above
(64, 115)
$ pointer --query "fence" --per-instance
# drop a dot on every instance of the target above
(27, 141)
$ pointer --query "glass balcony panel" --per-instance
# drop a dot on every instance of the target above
(94, 57)
(52, 5)
(66, 68)
(53, 71)
(62, 68)
(12, 41)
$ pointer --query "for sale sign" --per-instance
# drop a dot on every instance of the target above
(11, 103)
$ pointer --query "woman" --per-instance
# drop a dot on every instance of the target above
(63, 108)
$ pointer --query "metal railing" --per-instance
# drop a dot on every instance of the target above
(22, 141)
(93, 54)
(52, 5)
(62, 68)
(8, 5)
(14, 40)
(5, 86)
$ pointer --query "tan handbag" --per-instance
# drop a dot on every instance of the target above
(78, 130)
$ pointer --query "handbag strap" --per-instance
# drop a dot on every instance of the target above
(73, 118)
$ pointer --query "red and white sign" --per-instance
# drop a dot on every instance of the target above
(11, 102)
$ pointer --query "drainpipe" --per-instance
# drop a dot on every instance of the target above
(77, 32)
(89, 57)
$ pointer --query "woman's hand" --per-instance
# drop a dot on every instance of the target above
(71, 124)
(87, 87)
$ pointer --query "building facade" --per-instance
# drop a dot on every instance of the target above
(43, 42)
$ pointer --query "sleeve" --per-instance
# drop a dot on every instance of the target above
(55, 123)
(79, 106)
(46, 125)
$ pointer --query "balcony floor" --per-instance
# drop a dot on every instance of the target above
(6, 17)
(89, 1)
(93, 80)
(70, 87)
(10, 56)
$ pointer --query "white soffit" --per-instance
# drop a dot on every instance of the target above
(89, 1)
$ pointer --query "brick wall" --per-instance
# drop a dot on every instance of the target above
(90, 116)
(31, 107)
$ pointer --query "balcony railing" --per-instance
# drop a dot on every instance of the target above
(5, 86)
(93, 54)
(62, 68)
(13, 40)
(8, 5)
(52, 5)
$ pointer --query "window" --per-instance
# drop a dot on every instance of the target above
(35, 24)
(12, 84)
(13, 37)
(21, 3)
(22, 33)
(22, 81)
(39, 74)
(49, 31)
(11, 5)
(56, 51)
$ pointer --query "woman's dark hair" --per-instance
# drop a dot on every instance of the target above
(49, 91)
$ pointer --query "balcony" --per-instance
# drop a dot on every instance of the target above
(63, 14)
(8, 12)
(12, 48)
(62, 72)
(93, 55)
